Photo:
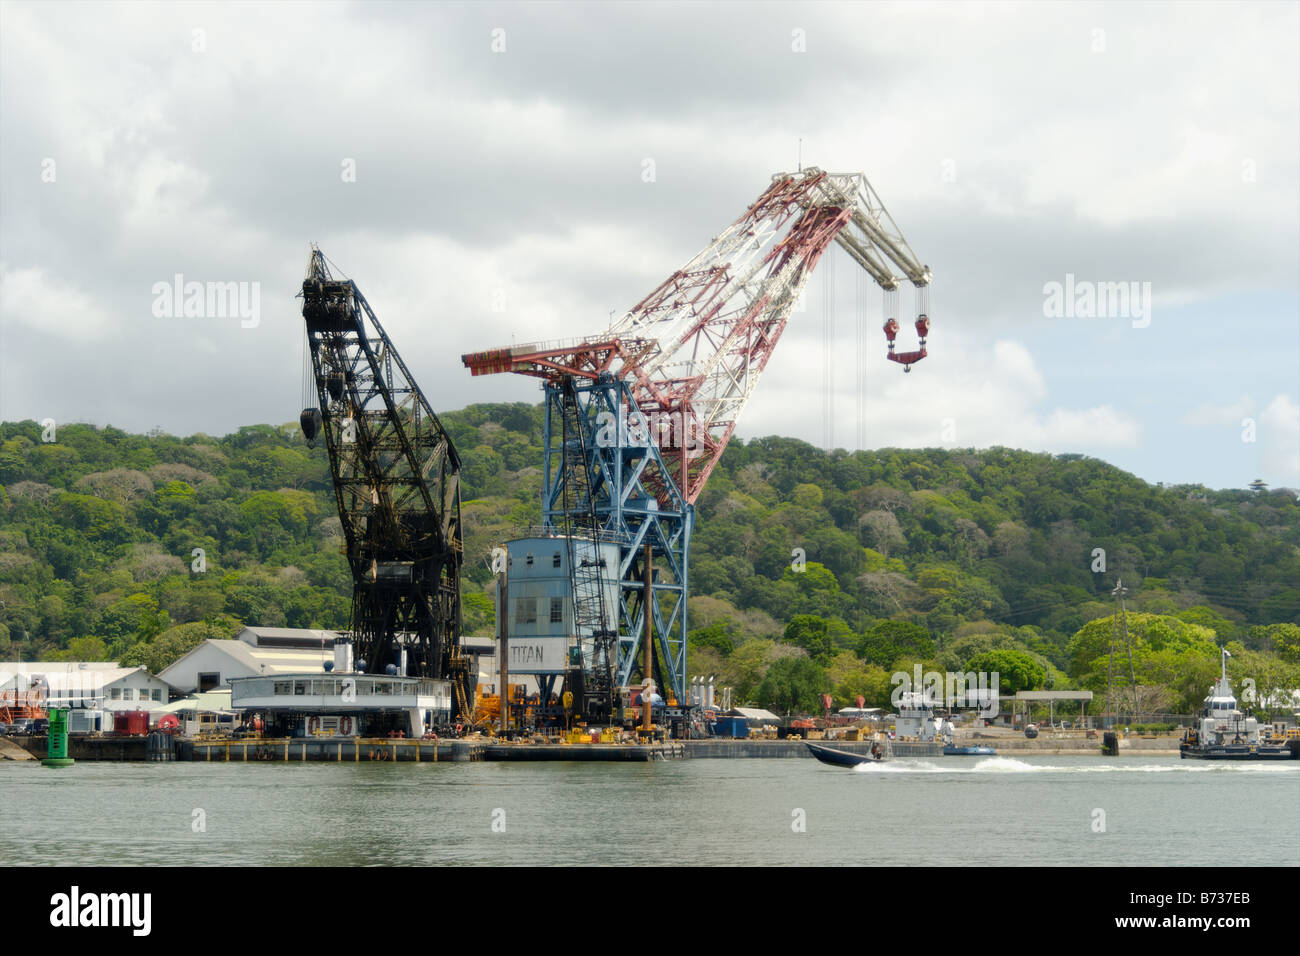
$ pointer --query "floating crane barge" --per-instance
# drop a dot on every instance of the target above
(638, 416)
(594, 603)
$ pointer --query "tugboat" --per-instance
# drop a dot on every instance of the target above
(1222, 732)
(917, 731)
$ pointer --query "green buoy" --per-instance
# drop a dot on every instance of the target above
(56, 750)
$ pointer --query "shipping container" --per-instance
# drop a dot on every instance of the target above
(131, 722)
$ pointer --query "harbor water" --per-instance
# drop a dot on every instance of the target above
(1042, 810)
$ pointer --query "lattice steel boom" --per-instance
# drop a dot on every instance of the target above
(397, 482)
(693, 350)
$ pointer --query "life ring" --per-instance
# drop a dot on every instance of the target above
(313, 725)
(345, 726)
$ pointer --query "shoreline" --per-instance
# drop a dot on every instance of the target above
(136, 749)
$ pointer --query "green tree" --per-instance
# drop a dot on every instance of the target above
(794, 684)
(811, 633)
(888, 641)
(479, 613)
(720, 635)
(174, 643)
(1016, 670)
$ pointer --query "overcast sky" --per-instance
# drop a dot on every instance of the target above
(480, 171)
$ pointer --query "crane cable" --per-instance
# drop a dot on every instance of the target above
(308, 373)
(861, 309)
(828, 351)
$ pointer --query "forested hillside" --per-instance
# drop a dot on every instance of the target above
(811, 571)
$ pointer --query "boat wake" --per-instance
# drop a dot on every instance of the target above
(1002, 765)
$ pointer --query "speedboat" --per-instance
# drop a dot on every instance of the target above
(843, 758)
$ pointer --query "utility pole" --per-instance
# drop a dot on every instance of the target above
(1118, 624)
(503, 633)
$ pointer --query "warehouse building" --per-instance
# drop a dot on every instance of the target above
(254, 652)
(91, 690)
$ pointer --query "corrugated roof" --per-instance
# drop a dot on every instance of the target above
(292, 632)
(304, 635)
(212, 701)
(11, 669)
(268, 660)
(59, 680)
(754, 713)
(47, 667)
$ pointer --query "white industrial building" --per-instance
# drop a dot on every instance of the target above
(255, 652)
(81, 686)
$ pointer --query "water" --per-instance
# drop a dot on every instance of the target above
(948, 811)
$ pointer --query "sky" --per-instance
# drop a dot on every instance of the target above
(498, 173)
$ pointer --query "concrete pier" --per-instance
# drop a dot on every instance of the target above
(11, 751)
(332, 749)
(708, 749)
(617, 753)
(86, 747)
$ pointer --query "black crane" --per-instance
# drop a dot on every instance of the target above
(397, 481)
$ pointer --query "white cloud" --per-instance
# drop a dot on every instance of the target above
(1279, 440)
(1209, 414)
(31, 297)
(962, 395)
(521, 172)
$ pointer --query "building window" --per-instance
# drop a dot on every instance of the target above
(128, 693)
(555, 560)
(557, 610)
(208, 681)
(526, 610)
(157, 694)
(528, 560)
(283, 687)
(300, 688)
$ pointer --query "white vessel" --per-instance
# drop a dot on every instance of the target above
(1223, 732)
(917, 731)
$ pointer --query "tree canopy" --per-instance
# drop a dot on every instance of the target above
(851, 564)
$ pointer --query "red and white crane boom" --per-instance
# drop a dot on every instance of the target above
(694, 348)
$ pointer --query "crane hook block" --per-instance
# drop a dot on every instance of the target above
(335, 385)
(310, 420)
(907, 359)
